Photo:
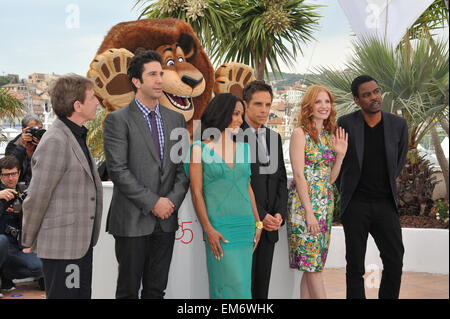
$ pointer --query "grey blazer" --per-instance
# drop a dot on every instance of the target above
(139, 177)
(63, 209)
(396, 144)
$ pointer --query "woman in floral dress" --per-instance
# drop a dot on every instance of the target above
(316, 157)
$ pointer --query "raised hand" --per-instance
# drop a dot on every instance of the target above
(340, 142)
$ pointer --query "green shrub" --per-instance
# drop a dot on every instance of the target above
(336, 211)
(442, 211)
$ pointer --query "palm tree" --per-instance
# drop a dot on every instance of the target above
(444, 125)
(414, 82)
(253, 32)
(10, 107)
(436, 17)
(95, 136)
(440, 155)
(265, 30)
(209, 19)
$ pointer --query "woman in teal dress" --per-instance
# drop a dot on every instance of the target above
(219, 170)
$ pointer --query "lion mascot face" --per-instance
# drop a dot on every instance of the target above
(188, 74)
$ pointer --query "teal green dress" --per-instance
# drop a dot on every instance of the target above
(229, 210)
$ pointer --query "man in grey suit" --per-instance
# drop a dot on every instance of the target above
(148, 186)
(62, 211)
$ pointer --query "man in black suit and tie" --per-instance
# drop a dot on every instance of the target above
(268, 180)
(148, 186)
(377, 148)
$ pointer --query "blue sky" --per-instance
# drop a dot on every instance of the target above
(35, 35)
(41, 36)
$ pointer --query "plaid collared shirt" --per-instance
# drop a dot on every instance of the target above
(159, 123)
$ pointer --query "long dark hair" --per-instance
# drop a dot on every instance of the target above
(219, 113)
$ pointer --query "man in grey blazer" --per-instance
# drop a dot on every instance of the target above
(62, 211)
(149, 187)
(376, 154)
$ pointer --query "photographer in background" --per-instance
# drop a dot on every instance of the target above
(15, 263)
(23, 145)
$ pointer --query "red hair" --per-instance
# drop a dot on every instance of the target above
(305, 118)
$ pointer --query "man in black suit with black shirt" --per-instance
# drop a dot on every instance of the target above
(377, 148)
(268, 180)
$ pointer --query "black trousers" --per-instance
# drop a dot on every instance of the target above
(380, 219)
(145, 260)
(262, 267)
(68, 279)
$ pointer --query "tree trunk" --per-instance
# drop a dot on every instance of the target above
(443, 163)
(260, 66)
(444, 124)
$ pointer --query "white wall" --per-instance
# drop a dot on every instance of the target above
(426, 250)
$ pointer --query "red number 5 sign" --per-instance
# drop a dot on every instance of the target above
(184, 231)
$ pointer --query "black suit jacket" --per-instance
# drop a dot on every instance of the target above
(270, 190)
(396, 144)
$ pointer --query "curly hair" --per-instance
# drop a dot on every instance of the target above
(305, 118)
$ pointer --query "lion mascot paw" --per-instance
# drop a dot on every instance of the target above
(232, 78)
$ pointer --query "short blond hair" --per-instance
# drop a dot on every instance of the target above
(66, 90)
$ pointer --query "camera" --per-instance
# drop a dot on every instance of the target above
(18, 200)
(36, 132)
(14, 232)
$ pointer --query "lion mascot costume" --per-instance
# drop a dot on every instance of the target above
(188, 80)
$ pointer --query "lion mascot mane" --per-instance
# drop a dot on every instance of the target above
(188, 74)
(188, 80)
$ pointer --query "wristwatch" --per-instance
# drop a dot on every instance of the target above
(259, 224)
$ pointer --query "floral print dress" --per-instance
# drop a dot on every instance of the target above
(308, 252)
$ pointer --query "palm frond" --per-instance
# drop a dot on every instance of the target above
(10, 107)
(235, 30)
(95, 136)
